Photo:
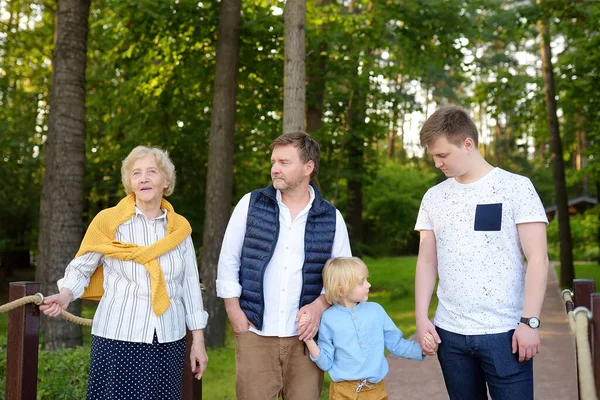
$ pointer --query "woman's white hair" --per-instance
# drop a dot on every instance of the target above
(162, 160)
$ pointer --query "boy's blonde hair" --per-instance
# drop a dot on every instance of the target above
(340, 276)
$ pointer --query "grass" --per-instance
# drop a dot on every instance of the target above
(584, 271)
(392, 281)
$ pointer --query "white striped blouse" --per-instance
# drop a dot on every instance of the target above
(125, 310)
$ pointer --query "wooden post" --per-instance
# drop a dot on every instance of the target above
(192, 388)
(22, 344)
(595, 338)
(582, 290)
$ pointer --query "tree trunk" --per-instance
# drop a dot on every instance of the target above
(316, 70)
(61, 204)
(219, 180)
(391, 134)
(356, 140)
(294, 85)
(581, 149)
(558, 164)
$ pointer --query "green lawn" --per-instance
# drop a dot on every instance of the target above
(584, 271)
(392, 282)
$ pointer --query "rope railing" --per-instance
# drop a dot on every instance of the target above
(579, 322)
(38, 299)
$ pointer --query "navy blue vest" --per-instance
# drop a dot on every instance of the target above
(262, 232)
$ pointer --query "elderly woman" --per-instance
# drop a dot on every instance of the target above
(138, 259)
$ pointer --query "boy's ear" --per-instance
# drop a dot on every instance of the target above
(340, 292)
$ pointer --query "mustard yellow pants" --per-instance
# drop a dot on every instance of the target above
(346, 390)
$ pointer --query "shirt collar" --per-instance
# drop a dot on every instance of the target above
(141, 213)
(346, 309)
(311, 192)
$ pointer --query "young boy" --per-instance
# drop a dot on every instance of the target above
(353, 333)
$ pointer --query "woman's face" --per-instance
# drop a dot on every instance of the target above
(147, 180)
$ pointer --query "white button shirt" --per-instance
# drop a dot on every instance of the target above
(282, 283)
(125, 310)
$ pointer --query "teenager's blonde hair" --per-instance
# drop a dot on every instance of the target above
(162, 160)
(340, 276)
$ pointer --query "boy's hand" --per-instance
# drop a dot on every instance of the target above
(311, 314)
(304, 319)
(424, 327)
(430, 343)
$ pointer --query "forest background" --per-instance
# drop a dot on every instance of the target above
(82, 83)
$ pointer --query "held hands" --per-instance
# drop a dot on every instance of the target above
(308, 319)
(427, 337)
(431, 344)
(53, 305)
(304, 320)
(526, 341)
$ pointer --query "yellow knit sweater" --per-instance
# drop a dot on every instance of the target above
(99, 238)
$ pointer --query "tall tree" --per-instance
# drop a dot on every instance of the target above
(316, 69)
(61, 204)
(558, 163)
(219, 181)
(294, 89)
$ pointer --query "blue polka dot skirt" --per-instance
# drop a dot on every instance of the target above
(137, 371)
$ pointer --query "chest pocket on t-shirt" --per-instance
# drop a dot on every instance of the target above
(488, 217)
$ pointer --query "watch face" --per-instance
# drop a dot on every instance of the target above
(534, 322)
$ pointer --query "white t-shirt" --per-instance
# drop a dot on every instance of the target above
(480, 260)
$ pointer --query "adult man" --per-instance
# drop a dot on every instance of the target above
(474, 228)
(276, 244)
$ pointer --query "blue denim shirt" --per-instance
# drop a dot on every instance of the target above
(352, 342)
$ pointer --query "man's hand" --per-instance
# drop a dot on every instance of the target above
(425, 327)
(237, 317)
(309, 318)
(526, 341)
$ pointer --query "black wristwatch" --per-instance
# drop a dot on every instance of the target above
(531, 322)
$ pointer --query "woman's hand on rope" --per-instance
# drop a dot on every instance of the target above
(53, 305)
(198, 356)
(526, 342)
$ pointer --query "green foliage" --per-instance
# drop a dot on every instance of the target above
(585, 229)
(61, 375)
(392, 202)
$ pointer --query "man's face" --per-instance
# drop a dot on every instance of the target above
(451, 159)
(287, 169)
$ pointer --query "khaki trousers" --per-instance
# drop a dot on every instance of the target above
(346, 390)
(268, 367)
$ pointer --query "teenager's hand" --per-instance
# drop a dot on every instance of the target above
(526, 341)
(237, 319)
(310, 317)
(424, 327)
(53, 305)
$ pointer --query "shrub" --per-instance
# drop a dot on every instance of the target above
(392, 203)
(584, 236)
(62, 374)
